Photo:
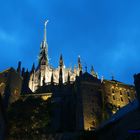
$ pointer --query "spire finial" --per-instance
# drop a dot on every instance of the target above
(45, 33)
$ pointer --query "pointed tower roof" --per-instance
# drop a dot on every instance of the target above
(19, 67)
(79, 61)
(43, 56)
(45, 30)
(61, 61)
(93, 73)
(33, 68)
(79, 65)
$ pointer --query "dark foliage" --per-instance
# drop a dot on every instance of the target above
(29, 117)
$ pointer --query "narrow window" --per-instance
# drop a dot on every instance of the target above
(113, 91)
(113, 97)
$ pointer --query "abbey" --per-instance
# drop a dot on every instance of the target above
(83, 97)
(82, 101)
(44, 72)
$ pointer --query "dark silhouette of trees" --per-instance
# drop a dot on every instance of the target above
(29, 118)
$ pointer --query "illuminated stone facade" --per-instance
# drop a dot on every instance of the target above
(82, 100)
(95, 99)
(89, 97)
(117, 94)
(99, 99)
(45, 73)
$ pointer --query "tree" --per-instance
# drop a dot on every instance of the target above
(29, 117)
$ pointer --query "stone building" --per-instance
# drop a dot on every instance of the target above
(10, 85)
(125, 124)
(89, 101)
(82, 100)
(117, 94)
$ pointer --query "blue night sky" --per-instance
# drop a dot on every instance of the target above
(105, 33)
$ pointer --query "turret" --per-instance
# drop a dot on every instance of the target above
(33, 68)
(79, 66)
(23, 72)
(60, 70)
(19, 67)
(61, 61)
(25, 82)
(93, 72)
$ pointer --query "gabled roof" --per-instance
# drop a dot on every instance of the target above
(88, 77)
(8, 69)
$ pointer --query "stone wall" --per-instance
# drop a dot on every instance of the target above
(117, 94)
(10, 85)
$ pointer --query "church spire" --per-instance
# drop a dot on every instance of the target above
(43, 56)
(45, 32)
(33, 68)
(79, 65)
(61, 63)
(19, 67)
(61, 70)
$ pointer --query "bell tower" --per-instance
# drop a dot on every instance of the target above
(61, 70)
